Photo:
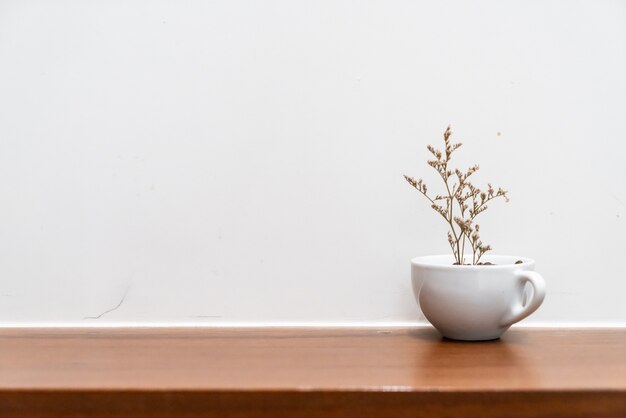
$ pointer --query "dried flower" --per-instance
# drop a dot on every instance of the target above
(469, 200)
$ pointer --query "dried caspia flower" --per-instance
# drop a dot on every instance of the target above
(458, 213)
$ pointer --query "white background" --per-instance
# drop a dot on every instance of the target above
(240, 162)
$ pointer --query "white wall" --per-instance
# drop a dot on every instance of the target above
(240, 161)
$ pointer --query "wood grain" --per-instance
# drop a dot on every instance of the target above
(309, 372)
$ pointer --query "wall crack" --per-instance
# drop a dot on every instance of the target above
(113, 308)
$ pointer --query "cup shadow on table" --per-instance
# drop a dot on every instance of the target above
(429, 333)
(441, 362)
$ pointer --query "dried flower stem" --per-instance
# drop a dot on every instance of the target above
(470, 201)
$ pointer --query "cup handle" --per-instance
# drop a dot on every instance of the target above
(520, 312)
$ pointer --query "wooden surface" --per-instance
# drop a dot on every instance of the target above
(309, 372)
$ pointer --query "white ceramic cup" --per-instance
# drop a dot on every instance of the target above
(475, 302)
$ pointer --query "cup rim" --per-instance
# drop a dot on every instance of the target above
(444, 262)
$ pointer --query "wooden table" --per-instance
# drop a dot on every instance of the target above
(310, 372)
